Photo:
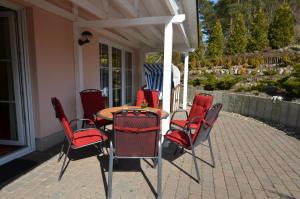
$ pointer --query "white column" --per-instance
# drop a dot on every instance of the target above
(78, 63)
(168, 45)
(185, 79)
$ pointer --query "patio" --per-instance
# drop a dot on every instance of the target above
(253, 160)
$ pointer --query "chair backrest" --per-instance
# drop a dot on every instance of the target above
(150, 96)
(136, 133)
(201, 104)
(202, 132)
(61, 116)
(92, 102)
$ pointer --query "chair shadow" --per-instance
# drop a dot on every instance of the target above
(168, 154)
(122, 165)
(78, 154)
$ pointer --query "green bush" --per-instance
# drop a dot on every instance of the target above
(227, 82)
(270, 72)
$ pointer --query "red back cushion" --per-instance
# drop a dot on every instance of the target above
(140, 97)
(200, 106)
(152, 98)
(60, 114)
(92, 102)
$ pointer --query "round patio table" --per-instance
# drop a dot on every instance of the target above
(108, 112)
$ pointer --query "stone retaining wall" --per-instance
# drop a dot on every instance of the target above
(286, 113)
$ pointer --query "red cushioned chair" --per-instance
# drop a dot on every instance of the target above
(92, 102)
(136, 135)
(185, 139)
(149, 96)
(76, 139)
(201, 104)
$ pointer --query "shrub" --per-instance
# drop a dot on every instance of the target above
(270, 72)
(227, 82)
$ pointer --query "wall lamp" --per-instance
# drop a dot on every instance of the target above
(85, 37)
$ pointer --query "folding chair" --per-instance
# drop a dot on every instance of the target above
(92, 102)
(149, 96)
(76, 139)
(201, 104)
(185, 139)
(136, 135)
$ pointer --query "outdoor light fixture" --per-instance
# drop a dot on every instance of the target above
(85, 37)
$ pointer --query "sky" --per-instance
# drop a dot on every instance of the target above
(214, 1)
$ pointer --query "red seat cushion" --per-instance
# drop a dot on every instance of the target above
(182, 123)
(87, 137)
(179, 137)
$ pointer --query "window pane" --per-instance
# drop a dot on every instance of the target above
(128, 76)
(104, 70)
(116, 76)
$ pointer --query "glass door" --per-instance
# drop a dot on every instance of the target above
(11, 124)
(116, 76)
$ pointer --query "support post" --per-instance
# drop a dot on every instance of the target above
(78, 62)
(185, 79)
(168, 45)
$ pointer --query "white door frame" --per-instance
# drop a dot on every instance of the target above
(25, 81)
(111, 45)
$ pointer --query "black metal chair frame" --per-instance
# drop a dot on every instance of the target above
(158, 160)
(205, 125)
(70, 141)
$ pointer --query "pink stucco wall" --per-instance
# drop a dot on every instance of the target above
(90, 55)
(53, 39)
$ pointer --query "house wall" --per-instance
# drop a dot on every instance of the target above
(51, 53)
(54, 60)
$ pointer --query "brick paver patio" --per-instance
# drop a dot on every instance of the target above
(253, 160)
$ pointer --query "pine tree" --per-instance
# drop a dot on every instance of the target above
(199, 54)
(281, 31)
(216, 42)
(238, 38)
(259, 32)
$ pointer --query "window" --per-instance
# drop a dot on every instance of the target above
(116, 74)
(128, 77)
(104, 69)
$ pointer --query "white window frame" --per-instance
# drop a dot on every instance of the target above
(25, 82)
(111, 45)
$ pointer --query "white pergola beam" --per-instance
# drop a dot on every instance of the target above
(137, 36)
(115, 37)
(126, 7)
(86, 5)
(132, 12)
(52, 8)
(168, 45)
(131, 22)
(185, 79)
(173, 7)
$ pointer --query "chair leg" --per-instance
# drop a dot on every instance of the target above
(159, 170)
(63, 165)
(196, 165)
(211, 152)
(111, 162)
(175, 152)
(61, 151)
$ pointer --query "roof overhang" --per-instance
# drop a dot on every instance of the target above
(135, 23)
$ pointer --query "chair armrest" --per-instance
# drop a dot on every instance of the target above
(179, 110)
(188, 125)
(84, 119)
